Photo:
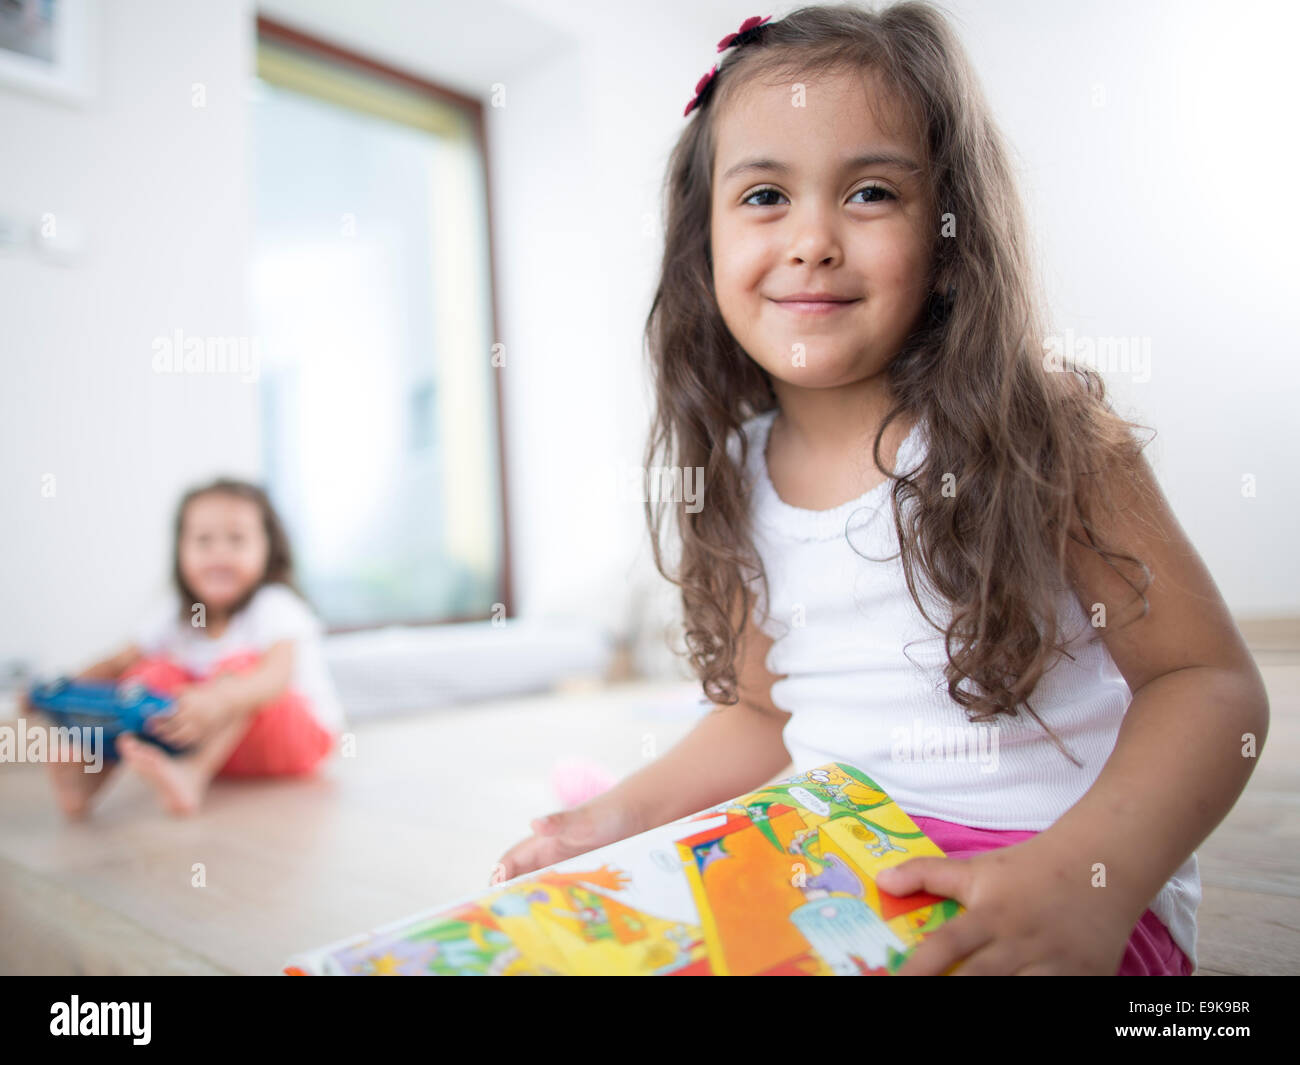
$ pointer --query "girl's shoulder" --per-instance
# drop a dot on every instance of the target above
(276, 610)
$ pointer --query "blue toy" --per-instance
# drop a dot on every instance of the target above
(116, 708)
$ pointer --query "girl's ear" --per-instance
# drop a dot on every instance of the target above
(939, 305)
(941, 280)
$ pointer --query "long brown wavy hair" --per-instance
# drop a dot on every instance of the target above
(1028, 447)
(279, 556)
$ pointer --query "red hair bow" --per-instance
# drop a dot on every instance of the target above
(748, 31)
(751, 23)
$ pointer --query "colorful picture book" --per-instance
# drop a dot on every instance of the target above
(777, 882)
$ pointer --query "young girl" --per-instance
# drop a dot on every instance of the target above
(938, 530)
(239, 650)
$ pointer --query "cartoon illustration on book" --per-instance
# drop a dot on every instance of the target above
(777, 882)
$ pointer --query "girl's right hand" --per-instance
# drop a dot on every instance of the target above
(567, 833)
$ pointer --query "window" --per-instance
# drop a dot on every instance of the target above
(372, 305)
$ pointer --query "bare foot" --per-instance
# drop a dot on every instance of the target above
(178, 783)
(74, 787)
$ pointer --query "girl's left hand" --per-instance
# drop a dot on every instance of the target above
(198, 711)
(1030, 911)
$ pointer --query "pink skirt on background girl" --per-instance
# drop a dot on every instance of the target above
(283, 738)
(1151, 951)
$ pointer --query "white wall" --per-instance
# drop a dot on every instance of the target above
(1161, 214)
(157, 188)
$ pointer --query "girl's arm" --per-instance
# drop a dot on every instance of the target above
(242, 693)
(109, 668)
(1199, 714)
(732, 750)
(1183, 754)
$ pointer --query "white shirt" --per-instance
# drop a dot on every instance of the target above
(274, 613)
(865, 678)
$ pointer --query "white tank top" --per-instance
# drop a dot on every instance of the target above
(863, 678)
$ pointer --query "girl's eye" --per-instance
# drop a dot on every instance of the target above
(885, 194)
(761, 192)
(876, 188)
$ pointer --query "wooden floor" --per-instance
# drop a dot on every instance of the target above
(422, 812)
(418, 817)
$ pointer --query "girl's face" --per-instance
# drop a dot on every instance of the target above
(797, 209)
(223, 548)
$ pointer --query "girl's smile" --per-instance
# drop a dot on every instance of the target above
(815, 306)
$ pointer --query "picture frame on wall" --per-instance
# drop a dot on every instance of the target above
(47, 48)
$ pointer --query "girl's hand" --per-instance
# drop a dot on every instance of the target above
(199, 710)
(596, 822)
(1030, 910)
(23, 705)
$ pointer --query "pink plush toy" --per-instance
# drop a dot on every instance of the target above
(575, 781)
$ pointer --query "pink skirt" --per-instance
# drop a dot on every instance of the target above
(1151, 951)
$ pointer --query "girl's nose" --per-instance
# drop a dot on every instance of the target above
(814, 239)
